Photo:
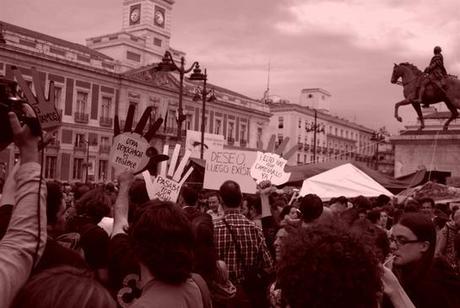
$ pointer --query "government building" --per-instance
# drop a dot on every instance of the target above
(318, 135)
(97, 81)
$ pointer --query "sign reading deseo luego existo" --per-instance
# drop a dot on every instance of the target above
(223, 165)
(269, 167)
(129, 152)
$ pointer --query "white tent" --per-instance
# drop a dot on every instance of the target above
(345, 180)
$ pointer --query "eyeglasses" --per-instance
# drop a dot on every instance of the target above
(401, 241)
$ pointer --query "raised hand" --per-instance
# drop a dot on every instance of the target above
(167, 184)
(131, 150)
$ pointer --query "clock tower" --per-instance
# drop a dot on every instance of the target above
(144, 37)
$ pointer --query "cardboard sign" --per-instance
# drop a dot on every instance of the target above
(269, 166)
(223, 165)
(166, 186)
(47, 114)
(129, 152)
(211, 142)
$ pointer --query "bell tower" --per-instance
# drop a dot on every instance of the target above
(144, 37)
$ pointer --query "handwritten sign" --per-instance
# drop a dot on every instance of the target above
(269, 166)
(46, 111)
(223, 165)
(166, 186)
(129, 152)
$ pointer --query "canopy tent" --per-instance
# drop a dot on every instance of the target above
(345, 180)
(302, 172)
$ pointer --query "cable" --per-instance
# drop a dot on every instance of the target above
(433, 154)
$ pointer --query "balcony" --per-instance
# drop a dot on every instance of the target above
(104, 149)
(105, 122)
(54, 144)
(306, 147)
(230, 141)
(243, 143)
(300, 145)
(80, 117)
(80, 147)
(170, 131)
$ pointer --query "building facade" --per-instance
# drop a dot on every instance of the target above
(336, 138)
(94, 84)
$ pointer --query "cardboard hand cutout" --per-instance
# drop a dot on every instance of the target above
(46, 111)
(131, 150)
(166, 186)
(269, 165)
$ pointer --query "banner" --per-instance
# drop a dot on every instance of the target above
(211, 141)
(223, 165)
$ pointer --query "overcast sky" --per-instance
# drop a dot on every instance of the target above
(346, 47)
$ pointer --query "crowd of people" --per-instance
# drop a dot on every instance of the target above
(109, 246)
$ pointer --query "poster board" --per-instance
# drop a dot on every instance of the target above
(225, 164)
(211, 141)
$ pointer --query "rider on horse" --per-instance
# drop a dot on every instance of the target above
(436, 73)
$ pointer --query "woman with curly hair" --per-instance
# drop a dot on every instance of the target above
(428, 281)
(327, 267)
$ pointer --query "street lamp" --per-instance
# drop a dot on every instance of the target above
(168, 64)
(316, 128)
(203, 94)
(377, 137)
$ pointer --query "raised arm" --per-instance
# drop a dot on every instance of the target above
(121, 207)
(27, 227)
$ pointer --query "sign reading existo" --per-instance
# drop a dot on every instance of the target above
(223, 165)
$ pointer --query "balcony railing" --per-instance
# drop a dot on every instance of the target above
(105, 122)
(80, 117)
(80, 146)
(103, 148)
(231, 141)
(55, 144)
(243, 143)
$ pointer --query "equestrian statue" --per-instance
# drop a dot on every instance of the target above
(432, 86)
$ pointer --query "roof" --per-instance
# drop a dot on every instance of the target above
(302, 172)
(54, 40)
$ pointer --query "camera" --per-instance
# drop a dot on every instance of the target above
(10, 101)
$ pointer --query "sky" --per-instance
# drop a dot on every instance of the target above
(346, 47)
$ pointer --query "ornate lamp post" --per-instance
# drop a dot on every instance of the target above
(315, 128)
(203, 94)
(168, 64)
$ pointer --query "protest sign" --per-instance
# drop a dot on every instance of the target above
(269, 167)
(131, 150)
(223, 165)
(211, 141)
(166, 186)
(46, 111)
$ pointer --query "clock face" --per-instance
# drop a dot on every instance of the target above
(135, 15)
(159, 18)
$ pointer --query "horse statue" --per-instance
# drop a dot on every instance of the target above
(411, 77)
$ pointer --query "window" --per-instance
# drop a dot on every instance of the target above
(259, 134)
(82, 99)
(298, 158)
(136, 110)
(280, 138)
(80, 140)
(78, 168)
(171, 119)
(218, 126)
(305, 158)
(103, 166)
(280, 122)
(50, 167)
(105, 141)
(133, 56)
(335, 129)
(300, 123)
(157, 42)
(231, 126)
(310, 95)
(106, 107)
(298, 139)
(243, 132)
(188, 121)
(57, 96)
